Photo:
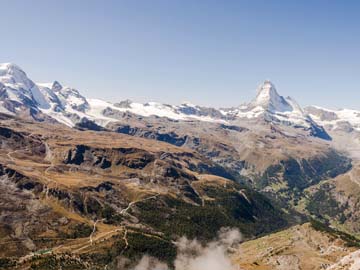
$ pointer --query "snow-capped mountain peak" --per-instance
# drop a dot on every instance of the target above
(268, 98)
(13, 76)
(63, 98)
(270, 106)
(19, 88)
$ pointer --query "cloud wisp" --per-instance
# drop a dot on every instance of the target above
(192, 255)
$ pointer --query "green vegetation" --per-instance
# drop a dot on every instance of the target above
(54, 263)
(305, 173)
(79, 230)
(286, 183)
(110, 215)
(350, 240)
(323, 205)
(228, 208)
(301, 174)
(140, 244)
(6, 263)
(271, 174)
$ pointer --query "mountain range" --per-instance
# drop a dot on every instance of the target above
(19, 94)
(90, 184)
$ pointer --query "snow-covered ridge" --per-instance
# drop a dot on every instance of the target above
(66, 104)
(105, 110)
(343, 119)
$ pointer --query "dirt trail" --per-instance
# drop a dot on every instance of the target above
(94, 230)
(85, 243)
(125, 240)
(124, 211)
(9, 154)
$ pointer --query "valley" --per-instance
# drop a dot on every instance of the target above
(89, 184)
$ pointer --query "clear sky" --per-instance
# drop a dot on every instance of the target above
(212, 52)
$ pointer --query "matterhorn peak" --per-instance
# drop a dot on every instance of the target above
(268, 98)
(266, 87)
(266, 92)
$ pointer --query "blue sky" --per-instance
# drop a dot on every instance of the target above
(206, 52)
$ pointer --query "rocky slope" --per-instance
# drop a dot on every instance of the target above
(305, 246)
(344, 119)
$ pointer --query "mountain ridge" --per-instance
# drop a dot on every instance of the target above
(67, 106)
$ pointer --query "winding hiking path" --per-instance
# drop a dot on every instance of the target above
(124, 211)
(94, 230)
(125, 240)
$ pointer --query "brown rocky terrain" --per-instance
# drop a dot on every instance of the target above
(100, 195)
(300, 247)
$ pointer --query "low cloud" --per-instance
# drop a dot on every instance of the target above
(192, 255)
(149, 263)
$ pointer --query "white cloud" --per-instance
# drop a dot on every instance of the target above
(192, 255)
